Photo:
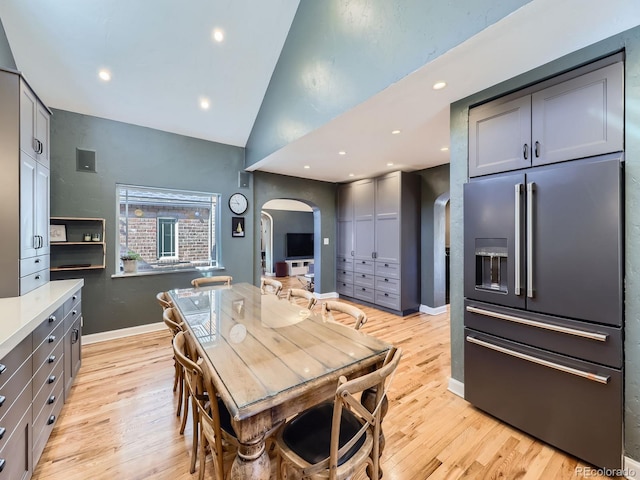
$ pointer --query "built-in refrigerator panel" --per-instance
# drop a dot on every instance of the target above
(493, 208)
(575, 264)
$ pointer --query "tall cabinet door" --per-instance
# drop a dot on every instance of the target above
(344, 245)
(387, 218)
(493, 240)
(28, 206)
(42, 208)
(363, 219)
(577, 240)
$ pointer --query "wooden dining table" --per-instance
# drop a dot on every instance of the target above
(270, 360)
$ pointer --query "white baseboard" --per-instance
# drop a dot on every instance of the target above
(321, 296)
(456, 387)
(630, 468)
(433, 310)
(121, 333)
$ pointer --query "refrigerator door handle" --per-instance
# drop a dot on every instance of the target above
(539, 361)
(530, 189)
(600, 337)
(517, 287)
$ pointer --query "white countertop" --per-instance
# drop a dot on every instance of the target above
(21, 315)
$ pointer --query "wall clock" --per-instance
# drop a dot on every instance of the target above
(238, 203)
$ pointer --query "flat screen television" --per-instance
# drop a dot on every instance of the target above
(299, 245)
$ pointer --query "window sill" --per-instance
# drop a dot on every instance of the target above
(143, 273)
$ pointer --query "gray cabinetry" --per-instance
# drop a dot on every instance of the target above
(579, 117)
(24, 187)
(382, 267)
(72, 340)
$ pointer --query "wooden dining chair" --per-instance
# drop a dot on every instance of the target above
(336, 440)
(174, 324)
(306, 295)
(211, 419)
(268, 285)
(164, 300)
(333, 306)
(202, 281)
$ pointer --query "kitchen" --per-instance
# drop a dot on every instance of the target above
(69, 123)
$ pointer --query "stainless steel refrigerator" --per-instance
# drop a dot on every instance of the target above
(544, 307)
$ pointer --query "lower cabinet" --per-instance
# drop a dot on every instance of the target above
(35, 379)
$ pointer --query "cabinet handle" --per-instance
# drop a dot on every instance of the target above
(525, 151)
(2, 368)
(386, 279)
(518, 194)
(74, 298)
(364, 276)
(537, 149)
(51, 399)
(352, 253)
(51, 339)
(2, 399)
(2, 462)
(52, 419)
(52, 318)
(37, 260)
(531, 187)
(76, 335)
(51, 379)
(386, 264)
(386, 294)
(51, 359)
(37, 277)
(74, 312)
(2, 432)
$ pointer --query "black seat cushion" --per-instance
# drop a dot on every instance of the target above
(225, 418)
(309, 434)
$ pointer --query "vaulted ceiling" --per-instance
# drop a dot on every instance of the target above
(164, 63)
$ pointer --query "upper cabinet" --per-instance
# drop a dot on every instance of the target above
(34, 126)
(576, 118)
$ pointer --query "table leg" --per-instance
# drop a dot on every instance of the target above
(251, 462)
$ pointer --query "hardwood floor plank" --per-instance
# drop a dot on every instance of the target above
(120, 419)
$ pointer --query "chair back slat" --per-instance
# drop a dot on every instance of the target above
(203, 281)
(294, 293)
(358, 315)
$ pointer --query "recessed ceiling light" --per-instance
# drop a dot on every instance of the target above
(342, 152)
(395, 132)
(390, 164)
(104, 75)
(439, 85)
(218, 35)
(444, 149)
(204, 103)
(352, 175)
(307, 167)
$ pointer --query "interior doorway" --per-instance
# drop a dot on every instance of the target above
(441, 226)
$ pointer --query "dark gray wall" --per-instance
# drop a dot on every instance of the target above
(435, 182)
(139, 156)
(6, 56)
(321, 196)
(459, 146)
(284, 222)
(341, 52)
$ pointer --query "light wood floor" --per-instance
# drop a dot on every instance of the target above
(120, 421)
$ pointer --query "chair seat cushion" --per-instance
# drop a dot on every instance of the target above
(225, 418)
(309, 434)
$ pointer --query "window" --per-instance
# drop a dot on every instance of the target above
(169, 229)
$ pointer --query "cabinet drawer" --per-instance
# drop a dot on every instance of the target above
(13, 388)
(363, 266)
(45, 421)
(389, 300)
(388, 270)
(33, 281)
(47, 394)
(49, 373)
(51, 326)
(12, 360)
(363, 293)
(12, 416)
(389, 285)
(363, 279)
(33, 264)
(343, 263)
(344, 276)
(579, 415)
(71, 302)
(46, 357)
(17, 458)
(72, 316)
(345, 288)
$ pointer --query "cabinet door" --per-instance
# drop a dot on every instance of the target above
(42, 196)
(579, 118)
(42, 134)
(577, 241)
(499, 136)
(387, 218)
(363, 213)
(28, 206)
(28, 108)
(344, 244)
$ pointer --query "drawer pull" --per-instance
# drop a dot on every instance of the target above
(37, 277)
(51, 339)
(52, 318)
(75, 297)
(3, 367)
(52, 419)
(51, 359)
(386, 294)
(386, 279)
(386, 264)
(2, 399)
(545, 363)
(51, 399)
(2, 462)
(37, 260)
(364, 276)
(364, 262)
(2, 432)
(600, 337)
(51, 379)
(74, 312)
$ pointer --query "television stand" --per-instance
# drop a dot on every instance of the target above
(299, 266)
